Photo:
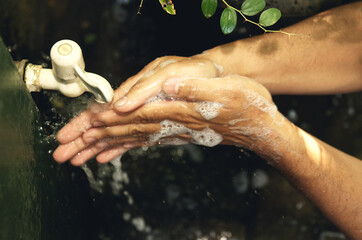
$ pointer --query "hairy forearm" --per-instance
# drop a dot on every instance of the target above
(324, 57)
(329, 177)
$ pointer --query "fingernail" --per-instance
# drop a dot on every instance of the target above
(97, 124)
(171, 86)
(89, 139)
(120, 102)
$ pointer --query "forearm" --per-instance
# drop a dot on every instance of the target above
(329, 177)
(324, 57)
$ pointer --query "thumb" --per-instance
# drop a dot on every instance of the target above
(193, 89)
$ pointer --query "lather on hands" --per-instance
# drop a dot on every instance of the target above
(231, 110)
(136, 90)
(242, 111)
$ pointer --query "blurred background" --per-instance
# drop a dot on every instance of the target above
(185, 192)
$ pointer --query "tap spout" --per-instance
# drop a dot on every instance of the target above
(67, 74)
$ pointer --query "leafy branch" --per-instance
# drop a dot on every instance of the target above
(228, 19)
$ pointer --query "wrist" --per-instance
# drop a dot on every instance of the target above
(280, 139)
(234, 57)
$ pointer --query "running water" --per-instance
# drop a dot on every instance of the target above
(119, 179)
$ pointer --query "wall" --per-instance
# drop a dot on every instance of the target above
(38, 200)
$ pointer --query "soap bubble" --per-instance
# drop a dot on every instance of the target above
(208, 110)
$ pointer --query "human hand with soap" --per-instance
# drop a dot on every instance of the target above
(232, 110)
(137, 89)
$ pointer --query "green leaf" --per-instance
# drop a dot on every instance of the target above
(269, 17)
(208, 7)
(252, 7)
(228, 20)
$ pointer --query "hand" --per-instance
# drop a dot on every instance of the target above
(231, 110)
(236, 109)
(135, 91)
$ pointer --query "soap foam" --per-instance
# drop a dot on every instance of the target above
(260, 132)
(206, 137)
(264, 105)
(260, 102)
(208, 110)
(161, 96)
(169, 128)
(172, 141)
(263, 136)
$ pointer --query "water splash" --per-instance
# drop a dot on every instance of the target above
(119, 179)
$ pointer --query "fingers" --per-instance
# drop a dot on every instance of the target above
(194, 89)
(75, 128)
(140, 92)
(66, 151)
(105, 154)
(110, 154)
(80, 151)
(87, 154)
(151, 83)
(220, 90)
(106, 149)
(139, 131)
(124, 88)
(78, 125)
(150, 113)
(133, 94)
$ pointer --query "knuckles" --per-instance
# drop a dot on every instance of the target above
(136, 130)
(140, 118)
(142, 115)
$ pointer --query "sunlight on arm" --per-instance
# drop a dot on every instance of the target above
(313, 148)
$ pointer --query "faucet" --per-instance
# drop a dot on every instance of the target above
(67, 74)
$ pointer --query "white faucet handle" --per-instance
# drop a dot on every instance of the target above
(64, 55)
(68, 64)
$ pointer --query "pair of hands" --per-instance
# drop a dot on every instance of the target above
(191, 92)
